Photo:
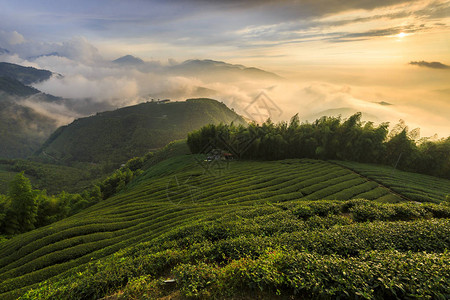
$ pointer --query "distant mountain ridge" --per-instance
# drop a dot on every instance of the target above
(45, 55)
(199, 67)
(219, 68)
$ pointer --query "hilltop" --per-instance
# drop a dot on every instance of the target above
(116, 136)
(241, 229)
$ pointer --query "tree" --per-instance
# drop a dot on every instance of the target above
(21, 215)
(401, 151)
(4, 206)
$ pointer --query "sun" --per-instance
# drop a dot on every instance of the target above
(401, 35)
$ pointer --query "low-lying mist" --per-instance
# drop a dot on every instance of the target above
(91, 86)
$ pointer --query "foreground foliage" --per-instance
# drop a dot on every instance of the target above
(267, 251)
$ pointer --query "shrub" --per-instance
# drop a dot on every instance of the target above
(194, 280)
(371, 212)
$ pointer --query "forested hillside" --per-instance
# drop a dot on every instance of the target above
(119, 135)
(26, 75)
(14, 87)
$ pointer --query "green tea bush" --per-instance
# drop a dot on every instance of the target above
(194, 280)
(304, 210)
(321, 223)
(373, 275)
(143, 287)
(368, 213)
(104, 276)
(438, 211)
(422, 235)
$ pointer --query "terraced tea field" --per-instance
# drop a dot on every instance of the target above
(175, 193)
(413, 186)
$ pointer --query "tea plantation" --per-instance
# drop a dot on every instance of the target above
(246, 230)
(413, 186)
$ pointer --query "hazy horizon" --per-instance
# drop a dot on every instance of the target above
(331, 54)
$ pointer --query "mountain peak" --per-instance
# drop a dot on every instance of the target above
(128, 60)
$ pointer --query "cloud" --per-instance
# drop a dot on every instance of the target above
(432, 65)
(392, 31)
(435, 10)
(11, 38)
(200, 22)
(77, 48)
(57, 111)
(294, 9)
(79, 87)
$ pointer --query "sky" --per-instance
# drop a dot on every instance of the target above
(331, 53)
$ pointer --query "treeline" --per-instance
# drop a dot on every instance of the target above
(23, 208)
(329, 138)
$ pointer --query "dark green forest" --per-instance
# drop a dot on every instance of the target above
(329, 138)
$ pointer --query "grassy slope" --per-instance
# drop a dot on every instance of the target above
(173, 193)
